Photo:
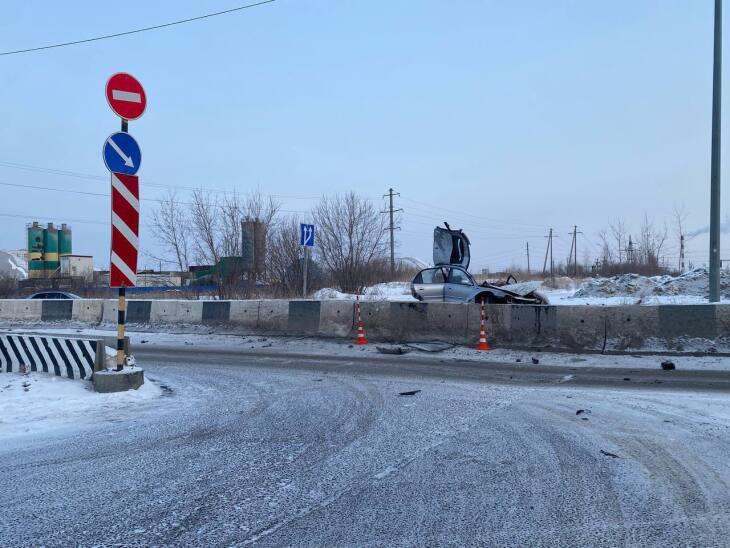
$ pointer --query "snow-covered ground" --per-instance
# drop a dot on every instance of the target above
(626, 289)
(35, 403)
(329, 347)
(389, 291)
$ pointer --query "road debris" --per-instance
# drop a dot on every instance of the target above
(430, 346)
(392, 349)
(608, 454)
(409, 393)
(668, 365)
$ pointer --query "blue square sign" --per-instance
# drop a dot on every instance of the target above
(306, 235)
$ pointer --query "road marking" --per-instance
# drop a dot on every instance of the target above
(128, 96)
(127, 159)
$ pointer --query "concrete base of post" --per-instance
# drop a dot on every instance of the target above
(130, 378)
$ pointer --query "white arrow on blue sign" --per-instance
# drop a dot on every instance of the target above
(306, 235)
(122, 153)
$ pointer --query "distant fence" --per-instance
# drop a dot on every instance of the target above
(71, 358)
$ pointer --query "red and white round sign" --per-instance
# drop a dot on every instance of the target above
(126, 96)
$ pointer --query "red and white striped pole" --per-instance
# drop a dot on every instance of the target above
(360, 332)
(483, 344)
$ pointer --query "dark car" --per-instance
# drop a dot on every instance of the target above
(53, 294)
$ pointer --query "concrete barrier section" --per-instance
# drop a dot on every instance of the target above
(190, 312)
(87, 310)
(336, 318)
(581, 327)
(56, 310)
(303, 317)
(21, 310)
(216, 311)
(631, 326)
(71, 358)
(533, 325)
(244, 313)
(273, 316)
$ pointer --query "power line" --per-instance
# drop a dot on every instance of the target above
(90, 176)
(136, 31)
(106, 195)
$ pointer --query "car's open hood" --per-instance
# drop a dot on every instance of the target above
(450, 247)
(521, 288)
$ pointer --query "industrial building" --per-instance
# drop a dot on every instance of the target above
(46, 246)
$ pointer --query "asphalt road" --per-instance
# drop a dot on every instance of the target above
(293, 450)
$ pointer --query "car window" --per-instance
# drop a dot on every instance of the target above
(38, 296)
(433, 276)
(460, 277)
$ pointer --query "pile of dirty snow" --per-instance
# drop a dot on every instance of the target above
(694, 283)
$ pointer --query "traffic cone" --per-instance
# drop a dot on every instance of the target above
(483, 344)
(360, 333)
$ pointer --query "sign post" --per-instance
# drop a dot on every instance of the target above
(306, 240)
(122, 157)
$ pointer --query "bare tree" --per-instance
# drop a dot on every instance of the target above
(172, 227)
(231, 209)
(651, 242)
(351, 239)
(262, 207)
(618, 231)
(204, 215)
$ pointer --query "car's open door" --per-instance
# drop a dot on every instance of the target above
(450, 247)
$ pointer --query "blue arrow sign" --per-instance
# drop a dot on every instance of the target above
(306, 235)
(122, 154)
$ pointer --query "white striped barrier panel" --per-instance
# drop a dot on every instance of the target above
(71, 358)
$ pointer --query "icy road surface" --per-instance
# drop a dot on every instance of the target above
(284, 450)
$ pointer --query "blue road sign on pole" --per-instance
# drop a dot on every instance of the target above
(122, 154)
(306, 235)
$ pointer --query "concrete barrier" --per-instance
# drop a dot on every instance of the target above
(568, 327)
(64, 357)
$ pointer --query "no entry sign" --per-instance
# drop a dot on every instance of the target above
(126, 96)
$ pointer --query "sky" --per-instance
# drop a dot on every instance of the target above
(502, 118)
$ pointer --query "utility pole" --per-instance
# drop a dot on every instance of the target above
(528, 258)
(549, 250)
(392, 212)
(573, 255)
(681, 253)
(715, 263)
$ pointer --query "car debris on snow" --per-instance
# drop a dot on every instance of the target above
(668, 365)
(409, 393)
(609, 454)
(393, 349)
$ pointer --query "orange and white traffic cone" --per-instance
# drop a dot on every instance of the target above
(483, 344)
(360, 333)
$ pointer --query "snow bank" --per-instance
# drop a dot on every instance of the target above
(37, 403)
(686, 288)
(389, 291)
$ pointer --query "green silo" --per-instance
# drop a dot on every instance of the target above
(50, 249)
(35, 250)
(64, 240)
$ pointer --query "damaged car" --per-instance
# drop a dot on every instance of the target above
(450, 281)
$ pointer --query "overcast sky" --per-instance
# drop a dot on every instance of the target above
(504, 118)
